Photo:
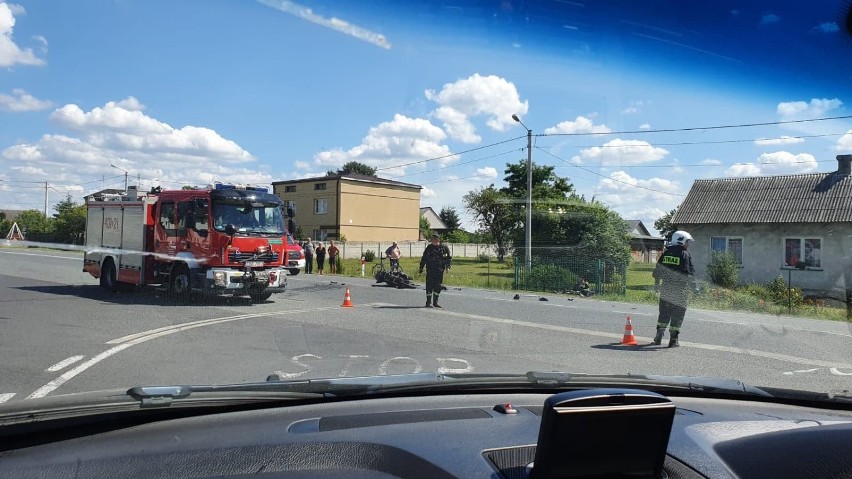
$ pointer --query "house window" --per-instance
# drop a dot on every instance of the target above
(290, 189)
(319, 186)
(731, 245)
(290, 207)
(320, 206)
(320, 235)
(805, 252)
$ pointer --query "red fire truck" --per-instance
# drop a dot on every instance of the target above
(223, 240)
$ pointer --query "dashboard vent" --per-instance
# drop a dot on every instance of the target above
(353, 421)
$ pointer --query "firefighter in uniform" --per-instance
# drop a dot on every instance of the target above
(675, 270)
(437, 259)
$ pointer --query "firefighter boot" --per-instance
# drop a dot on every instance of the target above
(658, 339)
(435, 302)
(673, 340)
(428, 300)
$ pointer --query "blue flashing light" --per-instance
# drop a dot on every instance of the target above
(228, 186)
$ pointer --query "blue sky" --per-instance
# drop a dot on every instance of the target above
(195, 91)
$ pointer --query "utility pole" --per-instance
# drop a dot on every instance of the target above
(45, 199)
(528, 228)
(125, 182)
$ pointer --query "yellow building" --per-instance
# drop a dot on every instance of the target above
(359, 207)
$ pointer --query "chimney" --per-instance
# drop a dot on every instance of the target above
(844, 165)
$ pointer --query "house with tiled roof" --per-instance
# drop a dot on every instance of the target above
(644, 247)
(798, 226)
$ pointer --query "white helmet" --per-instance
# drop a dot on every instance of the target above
(681, 238)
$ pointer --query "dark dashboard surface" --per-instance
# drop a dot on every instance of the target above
(436, 436)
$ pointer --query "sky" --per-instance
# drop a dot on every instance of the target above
(626, 103)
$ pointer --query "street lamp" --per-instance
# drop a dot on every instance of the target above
(528, 227)
(125, 175)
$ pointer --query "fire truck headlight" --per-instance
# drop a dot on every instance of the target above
(273, 277)
(219, 278)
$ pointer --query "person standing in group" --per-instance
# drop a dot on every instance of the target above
(393, 255)
(436, 258)
(309, 256)
(320, 253)
(332, 256)
(674, 268)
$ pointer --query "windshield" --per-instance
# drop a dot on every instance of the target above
(594, 186)
(247, 218)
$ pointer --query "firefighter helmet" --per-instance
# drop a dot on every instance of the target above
(681, 238)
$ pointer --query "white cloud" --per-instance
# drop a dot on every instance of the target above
(427, 192)
(743, 169)
(141, 145)
(333, 23)
(781, 140)
(10, 53)
(393, 143)
(635, 107)
(623, 152)
(580, 125)
(776, 163)
(817, 107)
(17, 10)
(827, 27)
(635, 198)
(844, 144)
(488, 172)
(769, 18)
(645, 126)
(20, 101)
(711, 162)
(490, 96)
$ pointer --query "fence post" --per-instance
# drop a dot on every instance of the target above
(598, 278)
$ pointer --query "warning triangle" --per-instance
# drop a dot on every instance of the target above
(15, 233)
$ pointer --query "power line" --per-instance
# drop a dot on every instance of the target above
(700, 128)
(702, 165)
(450, 155)
(462, 163)
(707, 142)
(607, 177)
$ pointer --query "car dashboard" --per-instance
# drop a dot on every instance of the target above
(442, 436)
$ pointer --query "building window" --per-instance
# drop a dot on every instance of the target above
(320, 235)
(799, 252)
(320, 206)
(319, 186)
(290, 189)
(728, 244)
(290, 207)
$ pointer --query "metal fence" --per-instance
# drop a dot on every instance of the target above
(561, 273)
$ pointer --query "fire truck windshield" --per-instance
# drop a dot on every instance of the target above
(247, 218)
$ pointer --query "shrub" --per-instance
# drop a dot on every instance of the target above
(779, 293)
(723, 269)
(340, 267)
(484, 258)
(370, 255)
(549, 277)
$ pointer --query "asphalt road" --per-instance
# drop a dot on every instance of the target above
(63, 334)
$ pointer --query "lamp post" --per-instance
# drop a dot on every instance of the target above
(528, 226)
(125, 175)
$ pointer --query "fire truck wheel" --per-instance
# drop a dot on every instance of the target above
(108, 275)
(180, 281)
(294, 271)
(260, 297)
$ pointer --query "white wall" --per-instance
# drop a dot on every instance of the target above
(412, 249)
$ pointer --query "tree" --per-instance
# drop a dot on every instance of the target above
(353, 167)
(450, 218)
(493, 211)
(457, 236)
(34, 221)
(69, 221)
(664, 224)
(548, 188)
(425, 227)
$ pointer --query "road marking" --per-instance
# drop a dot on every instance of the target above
(383, 369)
(838, 372)
(63, 364)
(801, 371)
(6, 397)
(709, 347)
(443, 369)
(352, 357)
(297, 360)
(149, 335)
(43, 255)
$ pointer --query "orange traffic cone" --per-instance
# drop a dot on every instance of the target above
(629, 339)
(347, 300)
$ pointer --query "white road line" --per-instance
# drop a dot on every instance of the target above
(153, 334)
(6, 397)
(709, 347)
(44, 255)
(63, 364)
